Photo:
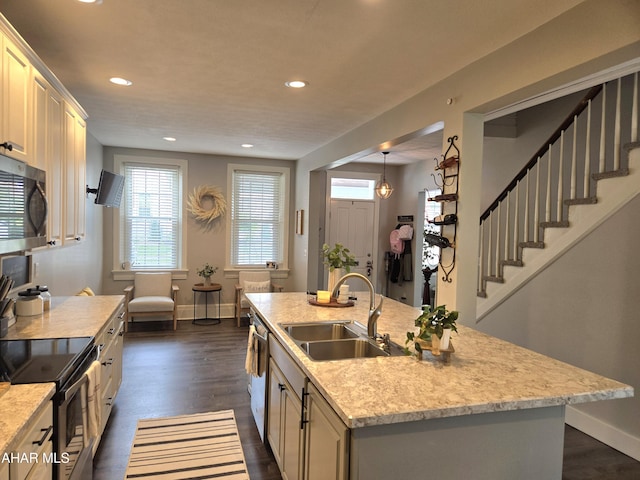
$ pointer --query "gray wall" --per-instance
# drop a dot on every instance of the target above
(583, 309)
(203, 245)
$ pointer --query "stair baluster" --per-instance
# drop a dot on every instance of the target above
(505, 227)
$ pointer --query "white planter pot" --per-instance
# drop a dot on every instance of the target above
(334, 276)
(446, 336)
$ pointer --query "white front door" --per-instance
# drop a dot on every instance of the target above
(351, 223)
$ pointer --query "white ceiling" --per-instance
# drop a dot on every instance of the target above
(211, 72)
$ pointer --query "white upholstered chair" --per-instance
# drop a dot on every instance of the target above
(252, 282)
(152, 294)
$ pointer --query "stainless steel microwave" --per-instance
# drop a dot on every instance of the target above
(23, 206)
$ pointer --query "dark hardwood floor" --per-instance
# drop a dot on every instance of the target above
(200, 368)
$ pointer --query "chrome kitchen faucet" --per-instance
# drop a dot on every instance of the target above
(374, 312)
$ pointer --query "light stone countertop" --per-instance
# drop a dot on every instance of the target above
(485, 375)
(17, 406)
(77, 316)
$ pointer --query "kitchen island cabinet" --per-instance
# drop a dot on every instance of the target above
(307, 438)
(495, 412)
(326, 440)
(283, 427)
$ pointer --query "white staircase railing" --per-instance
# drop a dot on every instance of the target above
(563, 172)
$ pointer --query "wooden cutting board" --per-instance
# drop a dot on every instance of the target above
(4, 386)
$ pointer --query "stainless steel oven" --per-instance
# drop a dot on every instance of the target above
(63, 361)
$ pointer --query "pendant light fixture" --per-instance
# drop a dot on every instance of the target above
(383, 189)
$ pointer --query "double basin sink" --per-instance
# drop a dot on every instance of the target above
(338, 340)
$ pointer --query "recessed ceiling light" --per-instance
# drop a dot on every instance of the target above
(121, 81)
(97, 2)
(247, 145)
(296, 84)
(169, 139)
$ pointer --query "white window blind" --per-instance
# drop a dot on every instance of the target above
(12, 201)
(151, 235)
(257, 218)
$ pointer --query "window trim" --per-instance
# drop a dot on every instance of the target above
(118, 271)
(283, 268)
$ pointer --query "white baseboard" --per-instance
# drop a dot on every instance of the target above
(605, 433)
(227, 310)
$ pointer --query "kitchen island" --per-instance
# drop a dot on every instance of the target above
(496, 411)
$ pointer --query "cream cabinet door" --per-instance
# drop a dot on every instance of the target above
(283, 425)
(74, 176)
(327, 440)
(81, 177)
(16, 78)
(274, 420)
(48, 136)
(55, 167)
(36, 443)
(291, 436)
(40, 89)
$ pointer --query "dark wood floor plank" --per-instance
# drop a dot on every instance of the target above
(200, 368)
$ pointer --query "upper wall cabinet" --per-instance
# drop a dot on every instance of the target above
(16, 76)
(43, 125)
(74, 173)
(48, 150)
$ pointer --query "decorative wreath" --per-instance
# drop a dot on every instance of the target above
(199, 198)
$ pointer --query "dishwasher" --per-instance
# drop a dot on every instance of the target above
(258, 379)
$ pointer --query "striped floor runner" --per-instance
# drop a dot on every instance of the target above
(204, 445)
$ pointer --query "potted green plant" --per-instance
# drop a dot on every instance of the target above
(337, 259)
(206, 273)
(435, 325)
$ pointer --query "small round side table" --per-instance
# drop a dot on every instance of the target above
(201, 287)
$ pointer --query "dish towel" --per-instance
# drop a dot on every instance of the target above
(251, 364)
(94, 414)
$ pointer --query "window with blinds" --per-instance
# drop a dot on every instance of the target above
(151, 229)
(258, 217)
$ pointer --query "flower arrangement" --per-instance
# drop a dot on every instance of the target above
(338, 257)
(431, 322)
(207, 271)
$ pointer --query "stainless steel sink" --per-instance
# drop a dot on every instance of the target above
(342, 349)
(310, 332)
(338, 340)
